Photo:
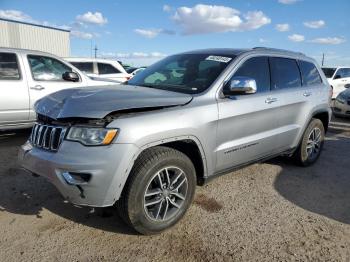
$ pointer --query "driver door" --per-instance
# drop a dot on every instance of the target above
(248, 124)
(46, 78)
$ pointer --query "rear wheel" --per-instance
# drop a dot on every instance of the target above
(311, 144)
(159, 190)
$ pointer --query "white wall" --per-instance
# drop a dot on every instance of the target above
(17, 35)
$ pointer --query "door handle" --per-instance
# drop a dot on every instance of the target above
(37, 87)
(306, 94)
(270, 100)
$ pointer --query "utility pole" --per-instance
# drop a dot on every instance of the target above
(95, 49)
(322, 59)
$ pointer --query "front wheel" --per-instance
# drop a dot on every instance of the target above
(311, 144)
(159, 190)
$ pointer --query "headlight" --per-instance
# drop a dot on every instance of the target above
(91, 136)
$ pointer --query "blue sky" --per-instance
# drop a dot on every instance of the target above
(141, 32)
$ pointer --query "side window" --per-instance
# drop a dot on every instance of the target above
(86, 67)
(9, 69)
(47, 68)
(284, 73)
(258, 69)
(342, 73)
(309, 74)
(347, 72)
(104, 69)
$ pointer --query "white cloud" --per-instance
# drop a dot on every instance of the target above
(23, 17)
(83, 35)
(288, 2)
(263, 40)
(315, 24)
(328, 40)
(296, 38)
(152, 33)
(17, 15)
(133, 55)
(167, 8)
(92, 18)
(333, 59)
(202, 19)
(282, 27)
(149, 33)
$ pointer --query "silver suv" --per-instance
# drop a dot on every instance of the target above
(145, 145)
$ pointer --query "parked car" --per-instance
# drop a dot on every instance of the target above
(135, 70)
(337, 77)
(104, 68)
(26, 76)
(341, 106)
(146, 145)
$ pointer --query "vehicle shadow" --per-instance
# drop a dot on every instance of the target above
(324, 187)
(21, 193)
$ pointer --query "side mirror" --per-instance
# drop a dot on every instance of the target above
(337, 77)
(70, 76)
(240, 85)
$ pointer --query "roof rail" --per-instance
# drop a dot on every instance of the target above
(277, 50)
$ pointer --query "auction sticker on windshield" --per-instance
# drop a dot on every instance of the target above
(222, 59)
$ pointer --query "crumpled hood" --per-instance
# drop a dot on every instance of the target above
(97, 102)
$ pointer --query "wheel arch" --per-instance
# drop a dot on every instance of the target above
(323, 116)
(188, 145)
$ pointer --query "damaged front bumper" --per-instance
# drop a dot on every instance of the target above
(91, 176)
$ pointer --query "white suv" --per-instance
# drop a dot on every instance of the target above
(26, 76)
(103, 68)
(338, 78)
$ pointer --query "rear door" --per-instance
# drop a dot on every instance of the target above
(248, 126)
(14, 97)
(46, 77)
(295, 100)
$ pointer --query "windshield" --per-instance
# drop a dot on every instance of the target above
(185, 73)
(329, 72)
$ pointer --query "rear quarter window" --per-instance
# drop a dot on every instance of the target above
(309, 73)
(9, 68)
(105, 69)
(284, 73)
(86, 67)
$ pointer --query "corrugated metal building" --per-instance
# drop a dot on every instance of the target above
(16, 34)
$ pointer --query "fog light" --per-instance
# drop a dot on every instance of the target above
(73, 178)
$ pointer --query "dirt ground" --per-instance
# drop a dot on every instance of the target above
(272, 211)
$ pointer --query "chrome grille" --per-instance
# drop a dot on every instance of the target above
(47, 137)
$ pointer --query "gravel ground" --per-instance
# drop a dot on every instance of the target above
(272, 211)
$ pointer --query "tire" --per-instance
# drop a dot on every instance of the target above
(304, 155)
(144, 188)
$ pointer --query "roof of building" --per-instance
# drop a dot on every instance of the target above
(32, 24)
